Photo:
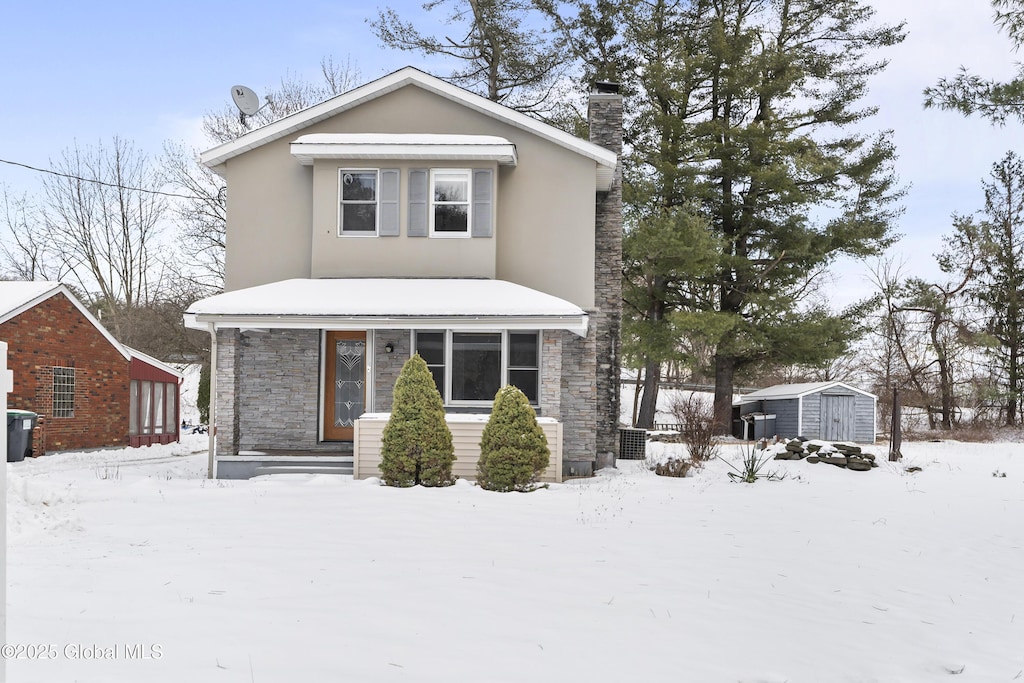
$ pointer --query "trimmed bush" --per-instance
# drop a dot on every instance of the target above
(416, 446)
(513, 449)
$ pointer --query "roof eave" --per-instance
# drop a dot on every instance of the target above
(577, 324)
(219, 155)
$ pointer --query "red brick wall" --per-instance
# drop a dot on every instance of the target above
(55, 333)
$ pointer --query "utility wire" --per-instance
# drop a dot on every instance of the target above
(99, 182)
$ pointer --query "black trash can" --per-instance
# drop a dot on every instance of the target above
(20, 424)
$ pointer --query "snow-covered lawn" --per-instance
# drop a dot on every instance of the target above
(828, 575)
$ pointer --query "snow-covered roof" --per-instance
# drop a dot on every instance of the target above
(785, 391)
(216, 157)
(403, 146)
(18, 296)
(380, 303)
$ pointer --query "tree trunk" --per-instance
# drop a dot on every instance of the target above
(725, 369)
(649, 401)
(1013, 401)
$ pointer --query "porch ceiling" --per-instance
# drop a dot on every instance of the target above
(383, 303)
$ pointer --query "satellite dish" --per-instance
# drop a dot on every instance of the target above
(247, 101)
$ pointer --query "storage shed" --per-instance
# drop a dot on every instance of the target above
(832, 411)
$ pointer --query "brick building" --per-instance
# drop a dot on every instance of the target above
(90, 390)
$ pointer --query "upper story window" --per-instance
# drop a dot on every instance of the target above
(358, 212)
(450, 207)
(368, 202)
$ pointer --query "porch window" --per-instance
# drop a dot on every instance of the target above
(449, 192)
(358, 212)
(470, 367)
(152, 407)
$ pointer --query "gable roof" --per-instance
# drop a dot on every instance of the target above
(18, 296)
(215, 158)
(786, 391)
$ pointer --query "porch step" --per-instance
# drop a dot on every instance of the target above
(341, 468)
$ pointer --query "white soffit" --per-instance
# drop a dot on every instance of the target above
(403, 146)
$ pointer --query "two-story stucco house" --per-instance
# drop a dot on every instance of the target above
(412, 216)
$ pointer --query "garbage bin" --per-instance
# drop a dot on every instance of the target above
(20, 424)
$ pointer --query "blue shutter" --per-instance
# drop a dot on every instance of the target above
(483, 204)
(389, 203)
(418, 187)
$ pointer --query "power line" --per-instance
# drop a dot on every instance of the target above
(99, 182)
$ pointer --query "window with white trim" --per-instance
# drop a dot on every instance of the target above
(470, 367)
(63, 392)
(449, 202)
(357, 214)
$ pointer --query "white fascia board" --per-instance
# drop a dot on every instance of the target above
(217, 156)
(577, 324)
(306, 153)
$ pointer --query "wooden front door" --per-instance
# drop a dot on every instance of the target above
(344, 384)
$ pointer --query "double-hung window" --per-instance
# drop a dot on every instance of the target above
(358, 211)
(470, 367)
(450, 206)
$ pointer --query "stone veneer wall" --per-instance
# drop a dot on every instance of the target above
(226, 399)
(279, 404)
(551, 374)
(605, 118)
(579, 420)
(388, 366)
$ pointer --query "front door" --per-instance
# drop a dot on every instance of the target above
(345, 384)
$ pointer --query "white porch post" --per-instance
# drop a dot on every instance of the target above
(6, 386)
(211, 419)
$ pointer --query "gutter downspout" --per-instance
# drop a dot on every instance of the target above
(211, 427)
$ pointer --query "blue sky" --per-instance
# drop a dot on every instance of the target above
(149, 71)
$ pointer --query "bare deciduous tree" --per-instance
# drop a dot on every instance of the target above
(102, 219)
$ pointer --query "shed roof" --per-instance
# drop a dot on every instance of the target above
(787, 391)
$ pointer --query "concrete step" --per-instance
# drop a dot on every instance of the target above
(305, 469)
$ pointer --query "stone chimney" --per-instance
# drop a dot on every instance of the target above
(604, 115)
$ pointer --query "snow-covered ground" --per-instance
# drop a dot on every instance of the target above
(130, 566)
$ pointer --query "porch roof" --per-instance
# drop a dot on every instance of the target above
(382, 303)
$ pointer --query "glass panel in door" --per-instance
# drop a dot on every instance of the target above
(345, 378)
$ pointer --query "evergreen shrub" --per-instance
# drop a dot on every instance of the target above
(513, 450)
(416, 446)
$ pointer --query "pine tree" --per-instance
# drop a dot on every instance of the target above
(416, 446)
(969, 93)
(513, 449)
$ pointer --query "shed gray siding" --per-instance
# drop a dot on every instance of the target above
(864, 423)
(786, 413)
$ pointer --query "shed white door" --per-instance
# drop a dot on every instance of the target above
(838, 417)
